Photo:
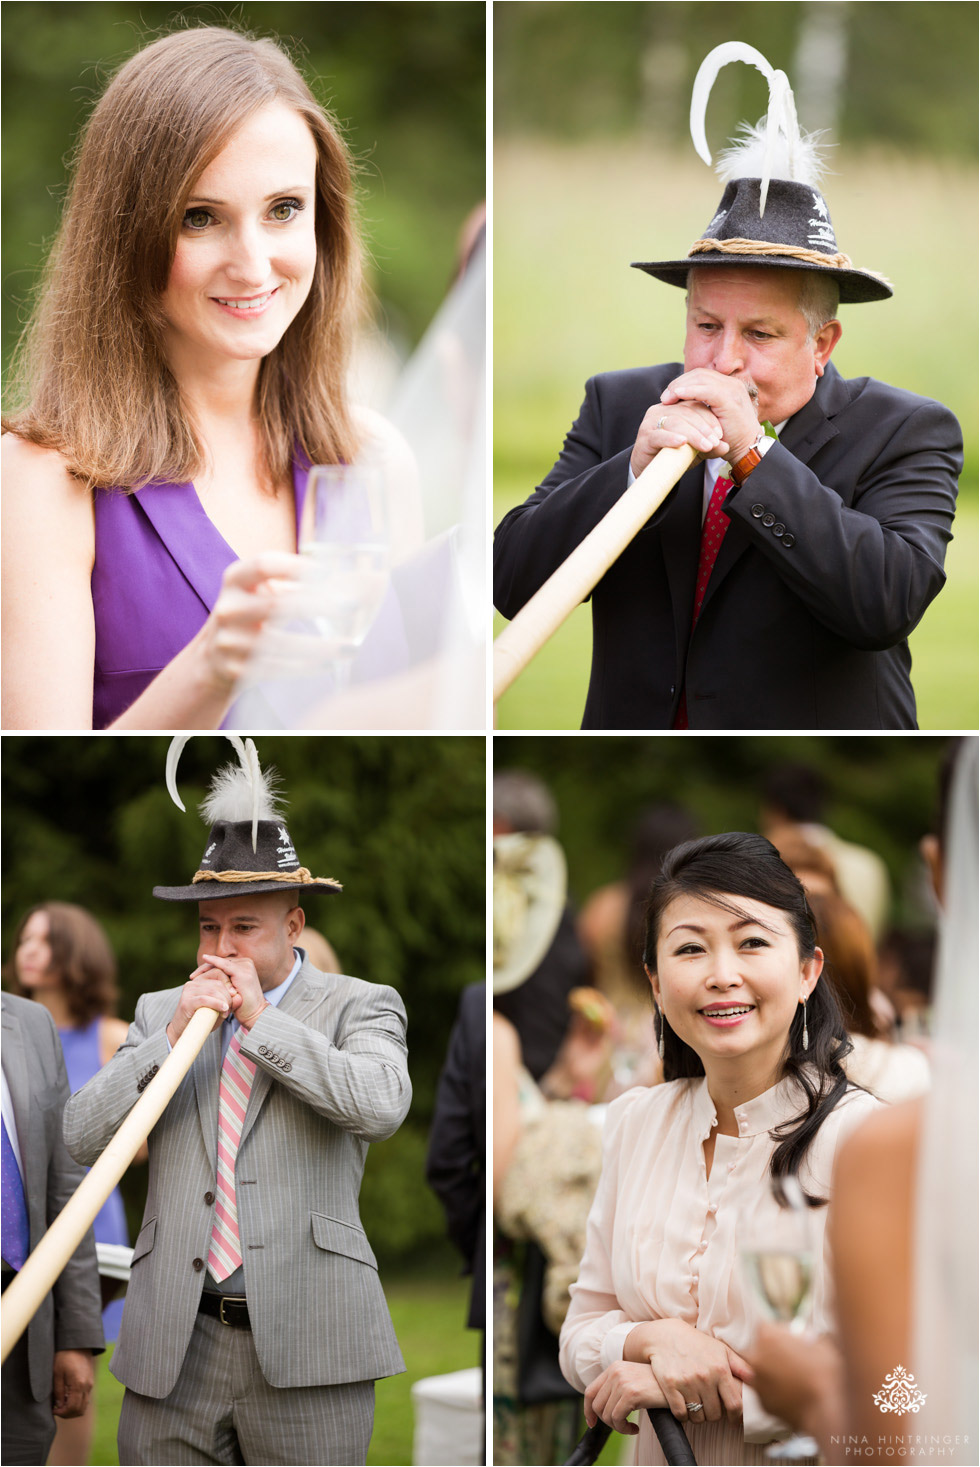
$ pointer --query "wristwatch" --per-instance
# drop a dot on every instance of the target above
(744, 466)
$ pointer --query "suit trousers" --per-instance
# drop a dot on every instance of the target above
(222, 1409)
(28, 1425)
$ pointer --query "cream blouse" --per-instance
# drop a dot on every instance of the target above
(662, 1237)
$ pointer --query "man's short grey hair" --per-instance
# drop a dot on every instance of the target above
(818, 300)
(524, 802)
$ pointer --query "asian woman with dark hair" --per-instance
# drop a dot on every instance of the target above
(752, 1043)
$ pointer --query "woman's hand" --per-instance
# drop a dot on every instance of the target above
(800, 1381)
(620, 1389)
(691, 1366)
(245, 602)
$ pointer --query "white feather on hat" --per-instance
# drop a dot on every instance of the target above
(774, 147)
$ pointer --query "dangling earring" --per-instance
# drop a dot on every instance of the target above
(806, 1036)
(660, 1041)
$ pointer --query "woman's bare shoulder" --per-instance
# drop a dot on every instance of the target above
(41, 493)
(44, 471)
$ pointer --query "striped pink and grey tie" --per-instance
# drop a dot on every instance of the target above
(237, 1073)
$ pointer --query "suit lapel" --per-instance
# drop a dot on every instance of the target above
(682, 531)
(199, 551)
(207, 1076)
(300, 999)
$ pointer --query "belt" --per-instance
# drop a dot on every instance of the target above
(229, 1308)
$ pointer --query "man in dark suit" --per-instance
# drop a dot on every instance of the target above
(456, 1164)
(777, 584)
(50, 1370)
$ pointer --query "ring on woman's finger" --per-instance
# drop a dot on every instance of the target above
(693, 1407)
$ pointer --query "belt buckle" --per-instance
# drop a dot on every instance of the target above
(225, 1299)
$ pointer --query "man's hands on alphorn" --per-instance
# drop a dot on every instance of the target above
(207, 988)
(715, 414)
(227, 985)
(247, 998)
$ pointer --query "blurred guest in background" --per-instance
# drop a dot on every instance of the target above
(537, 1007)
(456, 1165)
(63, 960)
(796, 795)
(545, 1158)
(320, 952)
(50, 1370)
(611, 927)
(890, 1070)
(906, 961)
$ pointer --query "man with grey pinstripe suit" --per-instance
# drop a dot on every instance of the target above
(277, 1362)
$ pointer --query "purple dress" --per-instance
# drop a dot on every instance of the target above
(82, 1061)
(158, 567)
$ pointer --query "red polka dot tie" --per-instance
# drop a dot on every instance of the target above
(712, 533)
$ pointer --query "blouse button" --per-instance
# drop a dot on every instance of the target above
(731, 1166)
(714, 1206)
(702, 1246)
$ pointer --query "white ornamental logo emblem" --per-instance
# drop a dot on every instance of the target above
(899, 1393)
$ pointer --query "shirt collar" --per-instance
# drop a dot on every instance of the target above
(772, 1108)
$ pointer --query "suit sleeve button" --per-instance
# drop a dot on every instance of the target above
(209, 1198)
(287, 1067)
(779, 530)
(757, 511)
(789, 541)
(197, 1265)
(769, 520)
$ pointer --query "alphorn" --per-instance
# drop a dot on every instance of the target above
(577, 576)
(24, 1295)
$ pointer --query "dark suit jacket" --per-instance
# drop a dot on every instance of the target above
(456, 1165)
(70, 1318)
(805, 628)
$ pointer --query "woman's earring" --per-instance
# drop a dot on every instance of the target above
(660, 1041)
(806, 1036)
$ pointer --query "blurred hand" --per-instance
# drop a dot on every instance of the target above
(248, 596)
(799, 1380)
(74, 1376)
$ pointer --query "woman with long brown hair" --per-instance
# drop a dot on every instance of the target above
(186, 364)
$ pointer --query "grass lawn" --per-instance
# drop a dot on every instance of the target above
(428, 1311)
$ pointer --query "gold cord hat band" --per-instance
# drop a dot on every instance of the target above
(794, 252)
(302, 877)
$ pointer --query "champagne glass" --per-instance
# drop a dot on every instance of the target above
(777, 1262)
(344, 541)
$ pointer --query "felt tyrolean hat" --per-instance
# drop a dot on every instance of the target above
(249, 849)
(772, 212)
